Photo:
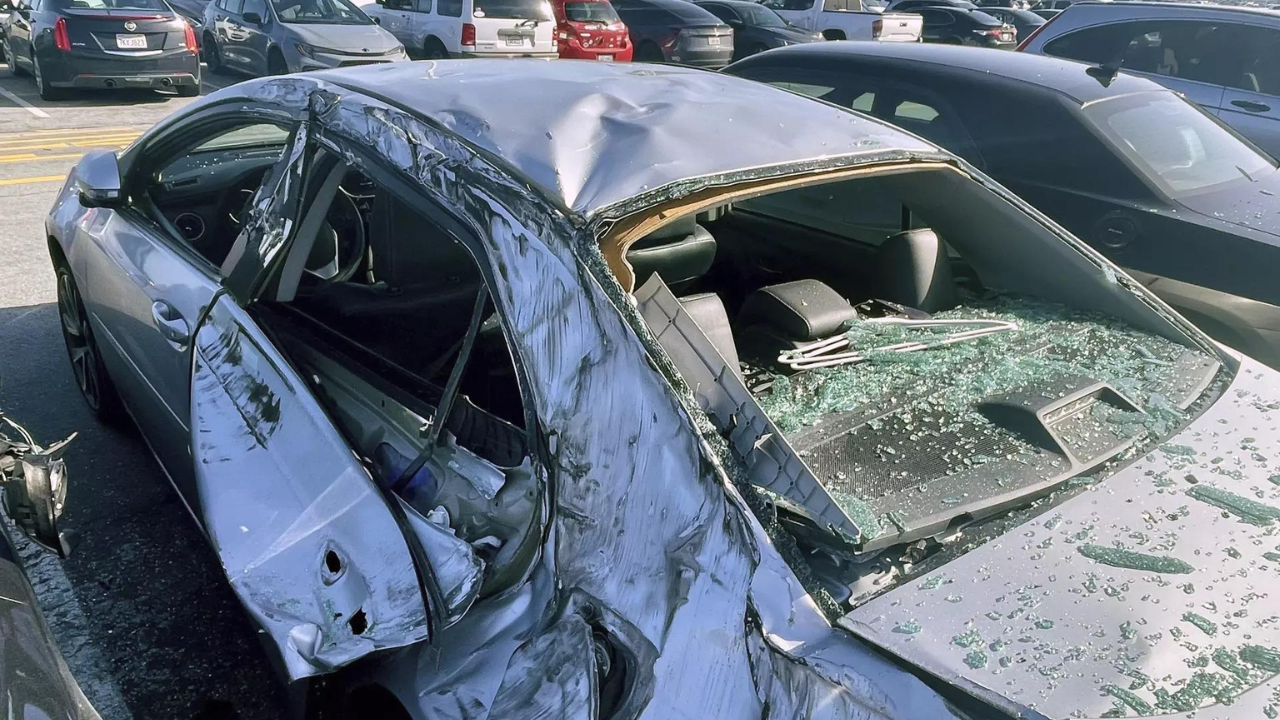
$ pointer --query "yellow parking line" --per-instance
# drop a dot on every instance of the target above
(32, 157)
(40, 134)
(64, 144)
(32, 180)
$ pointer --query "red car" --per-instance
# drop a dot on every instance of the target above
(590, 30)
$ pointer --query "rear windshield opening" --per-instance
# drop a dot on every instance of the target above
(928, 352)
(115, 5)
(513, 9)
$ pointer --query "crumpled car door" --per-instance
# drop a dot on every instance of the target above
(306, 538)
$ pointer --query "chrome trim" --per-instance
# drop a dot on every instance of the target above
(133, 53)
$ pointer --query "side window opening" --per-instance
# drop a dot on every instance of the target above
(202, 193)
(389, 317)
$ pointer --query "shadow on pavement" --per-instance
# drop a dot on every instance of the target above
(141, 610)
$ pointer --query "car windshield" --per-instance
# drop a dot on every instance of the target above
(759, 16)
(319, 12)
(601, 12)
(1176, 145)
(513, 9)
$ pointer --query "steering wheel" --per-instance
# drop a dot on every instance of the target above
(340, 243)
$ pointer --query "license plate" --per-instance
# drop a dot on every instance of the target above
(713, 41)
(605, 58)
(131, 42)
(515, 41)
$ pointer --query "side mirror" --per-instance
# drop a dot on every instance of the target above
(253, 18)
(97, 180)
(34, 481)
(377, 20)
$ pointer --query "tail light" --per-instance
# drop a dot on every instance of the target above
(670, 40)
(60, 38)
(189, 36)
(1026, 41)
(876, 27)
(468, 34)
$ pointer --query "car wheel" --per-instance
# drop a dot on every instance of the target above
(276, 64)
(213, 56)
(14, 70)
(434, 50)
(82, 350)
(47, 91)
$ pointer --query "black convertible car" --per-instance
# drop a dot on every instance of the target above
(1185, 204)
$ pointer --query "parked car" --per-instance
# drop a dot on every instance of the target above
(1008, 4)
(848, 20)
(1138, 172)
(34, 675)
(648, 459)
(756, 28)
(469, 28)
(274, 37)
(1225, 58)
(107, 45)
(906, 6)
(1024, 22)
(591, 30)
(966, 26)
(676, 31)
(6, 7)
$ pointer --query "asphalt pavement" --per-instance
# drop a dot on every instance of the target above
(141, 610)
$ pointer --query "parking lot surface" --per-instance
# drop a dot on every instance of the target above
(141, 610)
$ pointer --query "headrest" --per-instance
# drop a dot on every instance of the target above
(913, 269)
(679, 253)
(801, 311)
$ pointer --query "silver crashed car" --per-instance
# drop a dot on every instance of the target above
(511, 389)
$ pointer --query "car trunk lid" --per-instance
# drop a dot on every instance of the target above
(1144, 594)
(900, 27)
(129, 31)
(1249, 206)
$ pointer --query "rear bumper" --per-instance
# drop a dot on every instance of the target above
(568, 52)
(702, 59)
(496, 54)
(174, 69)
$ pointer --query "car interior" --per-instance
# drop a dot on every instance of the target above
(896, 330)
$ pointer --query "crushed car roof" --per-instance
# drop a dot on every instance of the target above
(1064, 76)
(592, 134)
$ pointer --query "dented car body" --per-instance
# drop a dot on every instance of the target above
(435, 380)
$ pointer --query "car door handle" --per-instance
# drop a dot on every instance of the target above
(1251, 106)
(170, 322)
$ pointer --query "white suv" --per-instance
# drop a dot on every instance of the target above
(469, 28)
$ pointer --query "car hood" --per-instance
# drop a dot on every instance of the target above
(347, 38)
(1147, 594)
(1250, 205)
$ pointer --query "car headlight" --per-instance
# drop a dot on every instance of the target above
(305, 50)
(395, 51)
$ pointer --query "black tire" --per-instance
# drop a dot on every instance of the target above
(14, 70)
(276, 64)
(90, 374)
(212, 55)
(834, 35)
(47, 91)
(433, 49)
(648, 52)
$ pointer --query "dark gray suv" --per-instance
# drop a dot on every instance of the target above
(676, 31)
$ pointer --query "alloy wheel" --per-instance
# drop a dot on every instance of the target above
(78, 337)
